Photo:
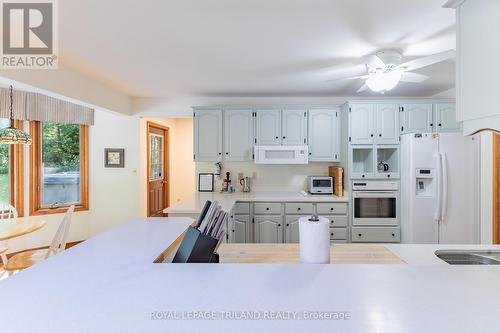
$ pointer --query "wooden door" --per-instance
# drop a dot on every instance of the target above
(361, 124)
(238, 135)
(294, 127)
(446, 118)
(416, 118)
(158, 182)
(496, 189)
(323, 135)
(268, 229)
(268, 127)
(208, 135)
(387, 116)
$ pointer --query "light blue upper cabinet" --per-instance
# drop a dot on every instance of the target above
(361, 124)
(323, 133)
(387, 121)
(416, 118)
(238, 134)
(294, 127)
(208, 135)
(446, 118)
(268, 127)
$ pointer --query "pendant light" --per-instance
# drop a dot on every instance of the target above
(11, 135)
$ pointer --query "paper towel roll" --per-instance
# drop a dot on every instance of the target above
(314, 240)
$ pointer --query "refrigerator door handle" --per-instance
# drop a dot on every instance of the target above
(444, 184)
(439, 176)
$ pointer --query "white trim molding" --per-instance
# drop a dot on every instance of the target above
(453, 4)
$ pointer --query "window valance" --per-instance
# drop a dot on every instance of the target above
(35, 106)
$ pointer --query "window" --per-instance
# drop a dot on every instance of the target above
(11, 173)
(59, 167)
(156, 156)
(5, 179)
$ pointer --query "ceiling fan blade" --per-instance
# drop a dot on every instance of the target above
(427, 61)
(362, 88)
(413, 77)
(373, 61)
(349, 78)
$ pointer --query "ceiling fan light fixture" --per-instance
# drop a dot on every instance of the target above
(382, 82)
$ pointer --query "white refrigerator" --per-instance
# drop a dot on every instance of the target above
(440, 188)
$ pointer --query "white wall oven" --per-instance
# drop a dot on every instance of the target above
(375, 203)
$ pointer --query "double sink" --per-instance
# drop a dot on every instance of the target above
(464, 257)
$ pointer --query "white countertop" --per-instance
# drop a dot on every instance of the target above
(109, 284)
(194, 204)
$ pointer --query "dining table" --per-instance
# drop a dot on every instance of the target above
(16, 227)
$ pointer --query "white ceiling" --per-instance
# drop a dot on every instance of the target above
(249, 47)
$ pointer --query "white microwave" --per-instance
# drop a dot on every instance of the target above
(281, 155)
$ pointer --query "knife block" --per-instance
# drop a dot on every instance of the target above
(197, 248)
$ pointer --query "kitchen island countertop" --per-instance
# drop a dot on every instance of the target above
(109, 283)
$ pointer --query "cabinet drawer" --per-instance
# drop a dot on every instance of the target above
(331, 208)
(337, 220)
(376, 235)
(299, 208)
(267, 208)
(338, 233)
(242, 208)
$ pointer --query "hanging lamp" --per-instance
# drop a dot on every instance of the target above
(12, 135)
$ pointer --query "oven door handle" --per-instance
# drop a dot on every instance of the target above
(375, 194)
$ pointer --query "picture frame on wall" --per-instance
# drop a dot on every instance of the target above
(205, 182)
(114, 158)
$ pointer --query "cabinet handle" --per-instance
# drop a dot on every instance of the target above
(359, 235)
(298, 208)
(227, 153)
(332, 221)
(388, 176)
(331, 208)
(284, 137)
(220, 153)
(279, 225)
(371, 135)
(267, 208)
(380, 135)
(393, 235)
(439, 125)
(432, 124)
(331, 234)
(310, 153)
(362, 176)
(287, 225)
(276, 137)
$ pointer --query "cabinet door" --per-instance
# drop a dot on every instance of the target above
(387, 120)
(208, 135)
(240, 229)
(238, 135)
(268, 127)
(323, 133)
(416, 118)
(361, 129)
(292, 229)
(268, 229)
(446, 118)
(294, 127)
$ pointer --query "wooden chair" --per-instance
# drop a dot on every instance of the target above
(7, 211)
(27, 259)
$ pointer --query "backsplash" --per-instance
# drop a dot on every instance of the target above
(266, 177)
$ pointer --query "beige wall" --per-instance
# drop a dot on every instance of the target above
(181, 165)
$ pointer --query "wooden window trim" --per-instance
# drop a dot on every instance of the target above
(35, 172)
(16, 168)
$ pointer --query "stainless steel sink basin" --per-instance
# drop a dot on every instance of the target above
(465, 257)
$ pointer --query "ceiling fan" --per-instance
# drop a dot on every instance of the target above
(385, 69)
